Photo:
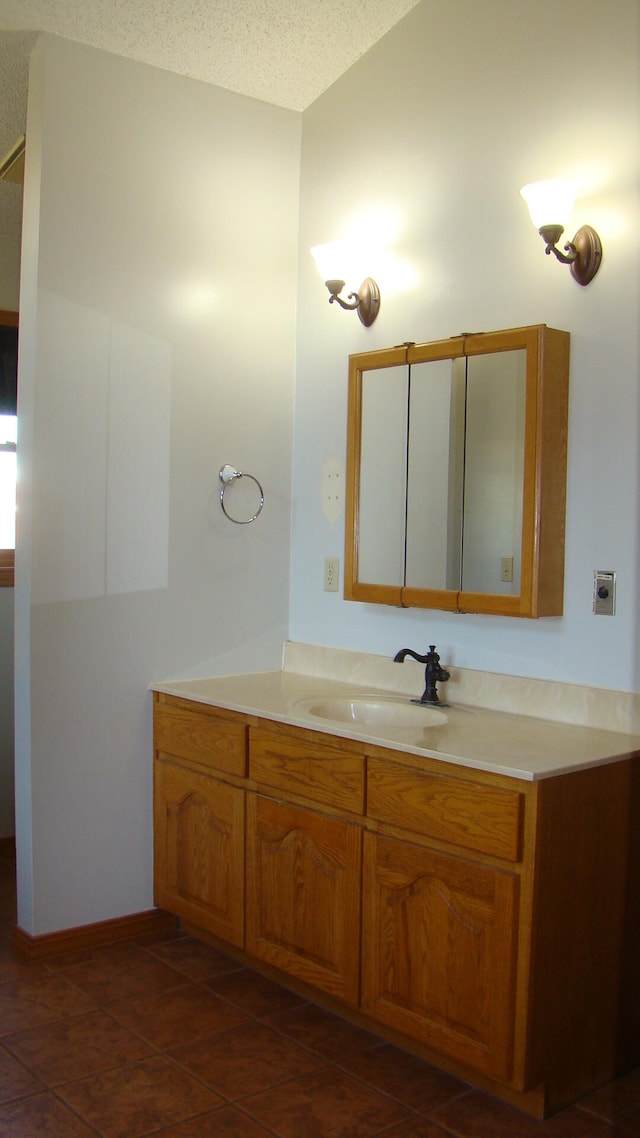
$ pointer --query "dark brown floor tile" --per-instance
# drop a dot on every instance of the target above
(245, 1060)
(617, 1099)
(416, 1128)
(117, 972)
(253, 993)
(158, 936)
(138, 1099)
(477, 1115)
(169, 1019)
(627, 1128)
(194, 959)
(76, 1047)
(15, 1080)
(12, 966)
(329, 1035)
(40, 1117)
(227, 1123)
(413, 1082)
(325, 1104)
(39, 998)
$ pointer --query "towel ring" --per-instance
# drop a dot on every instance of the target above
(228, 474)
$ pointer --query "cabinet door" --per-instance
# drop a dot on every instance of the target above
(439, 943)
(303, 890)
(199, 850)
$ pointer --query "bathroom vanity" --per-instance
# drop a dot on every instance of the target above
(467, 888)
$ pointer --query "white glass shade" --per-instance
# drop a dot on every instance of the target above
(329, 262)
(550, 203)
(342, 261)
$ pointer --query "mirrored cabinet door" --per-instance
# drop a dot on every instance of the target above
(383, 475)
(456, 473)
(495, 394)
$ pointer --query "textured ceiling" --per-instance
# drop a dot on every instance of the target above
(285, 52)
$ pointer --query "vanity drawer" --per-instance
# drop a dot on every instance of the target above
(186, 731)
(483, 818)
(299, 765)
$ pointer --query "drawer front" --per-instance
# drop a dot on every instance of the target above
(312, 770)
(212, 740)
(487, 819)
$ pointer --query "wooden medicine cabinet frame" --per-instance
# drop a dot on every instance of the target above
(544, 473)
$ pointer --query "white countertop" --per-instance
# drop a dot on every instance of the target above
(514, 745)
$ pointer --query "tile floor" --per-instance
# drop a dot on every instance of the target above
(169, 1037)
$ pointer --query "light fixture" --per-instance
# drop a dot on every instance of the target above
(366, 301)
(550, 205)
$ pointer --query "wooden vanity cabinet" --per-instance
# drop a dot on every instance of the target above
(490, 923)
(199, 849)
(439, 951)
(199, 816)
(440, 926)
(304, 858)
(303, 894)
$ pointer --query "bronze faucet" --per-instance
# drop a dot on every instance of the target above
(432, 674)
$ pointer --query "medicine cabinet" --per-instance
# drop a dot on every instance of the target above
(456, 473)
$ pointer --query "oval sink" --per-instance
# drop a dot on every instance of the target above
(377, 712)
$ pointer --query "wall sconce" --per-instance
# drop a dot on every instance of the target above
(366, 301)
(550, 205)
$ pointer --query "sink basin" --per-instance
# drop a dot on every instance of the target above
(377, 712)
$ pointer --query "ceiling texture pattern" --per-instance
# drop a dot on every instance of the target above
(285, 52)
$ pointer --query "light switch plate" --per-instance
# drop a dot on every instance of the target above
(604, 592)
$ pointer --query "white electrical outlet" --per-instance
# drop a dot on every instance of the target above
(506, 568)
(331, 574)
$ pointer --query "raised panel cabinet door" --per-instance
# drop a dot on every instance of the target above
(199, 850)
(303, 894)
(439, 943)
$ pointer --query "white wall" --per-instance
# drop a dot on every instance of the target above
(157, 343)
(7, 824)
(436, 129)
(9, 293)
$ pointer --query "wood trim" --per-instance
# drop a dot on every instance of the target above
(33, 948)
(583, 844)
(436, 350)
(354, 589)
(8, 319)
(414, 596)
(551, 464)
(7, 568)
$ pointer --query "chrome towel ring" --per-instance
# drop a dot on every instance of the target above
(228, 474)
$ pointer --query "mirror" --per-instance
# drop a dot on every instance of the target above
(456, 473)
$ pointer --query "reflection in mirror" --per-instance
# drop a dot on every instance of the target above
(494, 465)
(442, 452)
(435, 475)
(383, 475)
